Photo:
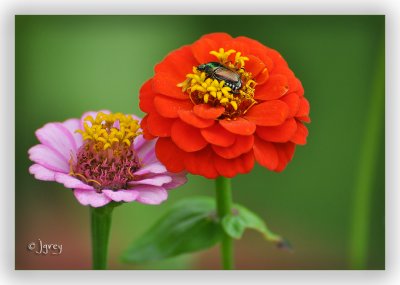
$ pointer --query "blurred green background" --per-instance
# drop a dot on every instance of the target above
(329, 202)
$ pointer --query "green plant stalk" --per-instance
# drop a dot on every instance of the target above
(360, 227)
(100, 227)
(224, 207)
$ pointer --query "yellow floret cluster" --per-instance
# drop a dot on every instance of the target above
(109, 129)
(208, 90)
(223, 57)
(202, 89)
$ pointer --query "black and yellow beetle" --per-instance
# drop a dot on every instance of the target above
(216, 70)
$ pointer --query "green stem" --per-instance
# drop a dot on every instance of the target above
(100, 225)
(360, 229)
(224, 207)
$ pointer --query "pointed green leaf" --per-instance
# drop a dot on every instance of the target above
(253, 221)
(234, 225)
(190, 225)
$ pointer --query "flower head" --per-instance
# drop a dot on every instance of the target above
(104, 158)
(222, 103)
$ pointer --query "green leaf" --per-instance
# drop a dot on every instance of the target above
(242, 218)
(190, 225)
(234, 225)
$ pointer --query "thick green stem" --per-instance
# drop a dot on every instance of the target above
(100, 225)
(224, 207)
(374, 126)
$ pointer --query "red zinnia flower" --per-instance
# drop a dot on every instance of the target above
(220, 103)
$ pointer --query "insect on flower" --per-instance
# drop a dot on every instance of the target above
(216, 70)
(222, 103)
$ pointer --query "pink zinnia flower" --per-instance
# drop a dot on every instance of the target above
(103, 157)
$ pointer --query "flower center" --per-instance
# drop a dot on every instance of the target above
(224, 82)
(107, 160)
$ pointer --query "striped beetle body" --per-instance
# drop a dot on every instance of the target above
(216, 70)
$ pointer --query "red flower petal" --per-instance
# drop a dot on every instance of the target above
(274, 88)
(178, 63)
(220, 38)
(254, 65)
(146, 134)
(300, 136)
(304, 108)
(239, 47)
(239, 126)
(217, 135)
(251, 43)
(300, 90)
(247, 162)
(270, 113)
(303, 111)
(226, 167)
(292, 81)
(262, 77)
(165, 84)
(207, 112)
(262, 52)
(146, 97)
(201, 50)
(285, 154)
(201, 163)
(170, 155)
(281, 133)
(169, 108)
(241, 145)
(276, 58)
(304, 119)
(159, 126)
(293, 101)
(190, 118)
(259, 50)
(186, 137)
(231, 167)
(211, 42)
(265, 153)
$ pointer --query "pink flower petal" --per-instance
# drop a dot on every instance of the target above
(152, 195)
(122, 195)
(71, 182)
(149, 157)
(116, 124)
(91, 198)
(157, 180)
(178, 179)
(72, 125)
(147, 153)
(155, 167)
(48, 158)
(58, 138)
(139, 142)
(41, 173)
